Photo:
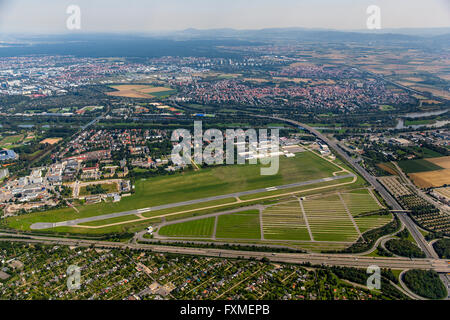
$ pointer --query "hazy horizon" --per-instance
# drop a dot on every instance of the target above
(139, 16)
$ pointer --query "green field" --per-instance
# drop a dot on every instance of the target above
(327, 217)
(329, 220)
(420, 165)
(163, 94)
(242, 225)
(192, 185)
(195, 228)
(386, 107)
(9, 141)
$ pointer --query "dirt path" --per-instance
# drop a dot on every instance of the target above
(300, 201)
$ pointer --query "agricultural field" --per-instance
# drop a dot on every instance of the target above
(50, 141)
(394, 186)
(329, 220)
(431, 179)
(388, 167)
(443, 162)
(285, 221)
(139, 91)
(335, 217)
(99, 188)
(436, 177)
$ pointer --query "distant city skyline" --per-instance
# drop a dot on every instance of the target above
(49, 16)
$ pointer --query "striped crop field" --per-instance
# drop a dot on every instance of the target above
(284, 221)
(360, 202)
(329, 220)
(195, 228)
(241, 225)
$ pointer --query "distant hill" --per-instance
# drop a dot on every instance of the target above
(196, 42)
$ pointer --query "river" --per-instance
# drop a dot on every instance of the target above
(414, 115)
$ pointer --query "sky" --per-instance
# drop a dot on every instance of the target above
(49, 16)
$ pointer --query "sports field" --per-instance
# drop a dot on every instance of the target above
(191, 185)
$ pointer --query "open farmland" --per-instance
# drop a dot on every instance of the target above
(139, 91)
(360, 201)
(443, 162)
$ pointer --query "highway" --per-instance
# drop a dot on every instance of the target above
(442, 266)
(404, 218)
(48, 225)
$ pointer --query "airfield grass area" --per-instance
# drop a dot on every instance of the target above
(428, 173)
(329, 220)
(242, 225)
(327, 208)
(140, 91)
(191, 185)
(195, 228)
(284, 221)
